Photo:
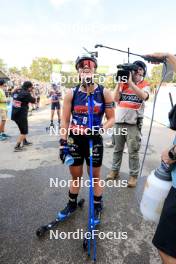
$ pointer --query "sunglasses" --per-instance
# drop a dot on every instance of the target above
(87, 63)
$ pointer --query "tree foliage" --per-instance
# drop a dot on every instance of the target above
(14, 70)
(41, 68)
(155, 78)
(2, 65)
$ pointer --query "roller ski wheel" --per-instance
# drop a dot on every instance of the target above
(48, 128)
(43, 229)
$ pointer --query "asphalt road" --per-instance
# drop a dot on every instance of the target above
(27, 201)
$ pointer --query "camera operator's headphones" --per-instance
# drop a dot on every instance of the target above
(142, 65)
(85, 57)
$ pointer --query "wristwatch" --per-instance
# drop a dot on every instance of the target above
(172, 153)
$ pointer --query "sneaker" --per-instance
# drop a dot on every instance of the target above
(52, 125)
(112, 175)
(18, 149)
(132, 182)
(5, 135)
(65, 213)
(27, 143)
(2, 138)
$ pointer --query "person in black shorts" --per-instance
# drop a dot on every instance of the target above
(165, 236)
(75, 140)
(21, 98)
(55, 95)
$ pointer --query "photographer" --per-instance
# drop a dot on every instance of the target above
(130, 96)
(165, 235)
(21, 98)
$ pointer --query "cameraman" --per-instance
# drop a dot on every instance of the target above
(21, 98)
(130, 97)
(165, 235)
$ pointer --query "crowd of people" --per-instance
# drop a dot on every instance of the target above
(19, 97)
(128, 116)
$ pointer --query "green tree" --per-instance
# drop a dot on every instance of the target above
(155, 76)
(25, 71)
(110, 82)
(2, 65)
(14, 70)
(174, 78)
(41, 68)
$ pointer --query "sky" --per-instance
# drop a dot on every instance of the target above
(60, 28)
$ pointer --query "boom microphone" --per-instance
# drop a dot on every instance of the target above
(148, 58)
(153, 59)
(98, 46)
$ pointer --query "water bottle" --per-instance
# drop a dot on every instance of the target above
(69, 160)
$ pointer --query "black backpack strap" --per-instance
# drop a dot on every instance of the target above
(75, 91)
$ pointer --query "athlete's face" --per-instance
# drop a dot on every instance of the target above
(86, 72)
(86, 68)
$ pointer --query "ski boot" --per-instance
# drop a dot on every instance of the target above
(67, 211)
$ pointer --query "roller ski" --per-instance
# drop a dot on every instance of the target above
(50, 127)
(61, 216)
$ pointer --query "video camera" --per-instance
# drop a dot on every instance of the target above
(124, 71)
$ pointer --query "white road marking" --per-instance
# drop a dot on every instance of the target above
(5, 176)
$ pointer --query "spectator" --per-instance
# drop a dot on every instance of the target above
(21, 99)
(3, 110)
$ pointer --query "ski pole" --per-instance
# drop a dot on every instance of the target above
(91, 220)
